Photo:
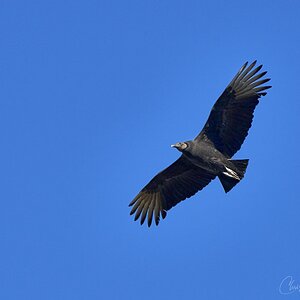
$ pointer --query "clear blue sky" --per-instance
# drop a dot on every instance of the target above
(92, 94)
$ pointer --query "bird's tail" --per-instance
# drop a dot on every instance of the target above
(230, 178)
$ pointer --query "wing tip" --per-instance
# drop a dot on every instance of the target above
(247, 83)
(147, 205)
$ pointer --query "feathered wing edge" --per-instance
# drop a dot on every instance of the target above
(150, 202)
(246, 83)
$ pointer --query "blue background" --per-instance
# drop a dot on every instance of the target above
(92, 94)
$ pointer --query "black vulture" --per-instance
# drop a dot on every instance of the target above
(209, 154)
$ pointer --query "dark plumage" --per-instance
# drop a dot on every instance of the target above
(209, 154)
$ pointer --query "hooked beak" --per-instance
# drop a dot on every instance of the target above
(173, 146)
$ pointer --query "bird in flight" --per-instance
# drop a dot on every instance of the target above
(209, 155)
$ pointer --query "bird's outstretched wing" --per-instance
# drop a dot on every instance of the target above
(177, 182)
(231, 116)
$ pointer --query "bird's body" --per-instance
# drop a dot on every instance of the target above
(209, 155)
(205, 156)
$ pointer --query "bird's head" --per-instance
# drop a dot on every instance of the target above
(181, 146)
